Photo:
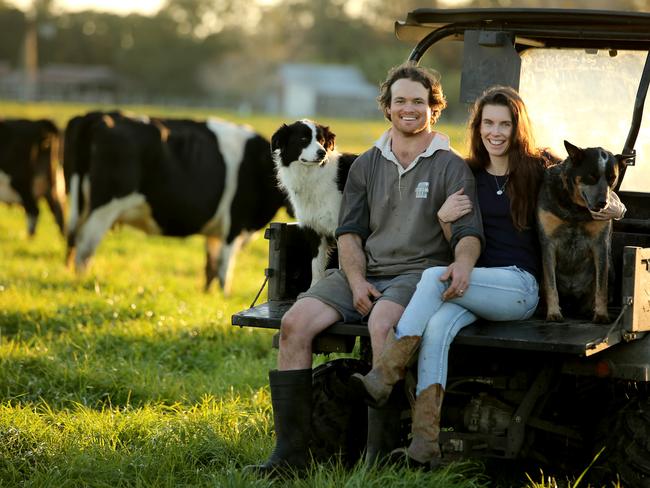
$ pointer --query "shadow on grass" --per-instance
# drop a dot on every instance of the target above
(25, 324)
(109, 367)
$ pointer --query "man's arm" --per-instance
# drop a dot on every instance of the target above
(353, 263)
(353, 228)
(466, 253)
(469, 223)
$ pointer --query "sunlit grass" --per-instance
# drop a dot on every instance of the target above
(130, 374)
(138, 318)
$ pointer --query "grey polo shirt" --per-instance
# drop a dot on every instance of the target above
(394, 210)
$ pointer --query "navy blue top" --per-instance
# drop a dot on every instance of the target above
(504, 244)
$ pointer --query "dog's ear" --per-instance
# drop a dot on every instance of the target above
(329, 138)
(624, 160)
(279, 138)
(575, 153)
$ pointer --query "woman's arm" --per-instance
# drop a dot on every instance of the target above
(456, 205)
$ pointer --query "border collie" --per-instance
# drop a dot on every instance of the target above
(313, 173)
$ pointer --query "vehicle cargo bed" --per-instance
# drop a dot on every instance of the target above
(577, 337)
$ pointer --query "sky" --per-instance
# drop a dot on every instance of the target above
(145, 7)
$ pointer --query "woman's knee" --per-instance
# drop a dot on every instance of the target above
(431, 277)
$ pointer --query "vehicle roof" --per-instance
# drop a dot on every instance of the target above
(534, 27)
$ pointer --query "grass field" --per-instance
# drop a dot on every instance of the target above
(131, 375)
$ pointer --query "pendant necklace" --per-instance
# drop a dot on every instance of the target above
(501, 188)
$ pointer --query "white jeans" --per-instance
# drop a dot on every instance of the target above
(493, 294)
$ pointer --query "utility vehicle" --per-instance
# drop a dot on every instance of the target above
(548, 392)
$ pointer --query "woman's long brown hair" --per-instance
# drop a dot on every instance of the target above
(525, 162)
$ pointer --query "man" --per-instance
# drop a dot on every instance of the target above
(388, 234)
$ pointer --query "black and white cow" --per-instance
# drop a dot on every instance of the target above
(29, 168)
(77, 142)
(175, 178)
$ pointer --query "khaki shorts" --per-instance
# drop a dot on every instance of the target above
(334, 291)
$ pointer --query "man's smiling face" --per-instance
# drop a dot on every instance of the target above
(409, 110)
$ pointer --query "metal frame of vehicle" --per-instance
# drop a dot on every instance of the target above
(533, 27)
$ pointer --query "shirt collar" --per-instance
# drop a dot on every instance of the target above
(439, 142)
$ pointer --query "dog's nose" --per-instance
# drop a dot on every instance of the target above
(321, 153)
(601, 204)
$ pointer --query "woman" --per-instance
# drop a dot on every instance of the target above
(504, 284)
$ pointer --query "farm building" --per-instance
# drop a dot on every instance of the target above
(307, 90)
(65, 82)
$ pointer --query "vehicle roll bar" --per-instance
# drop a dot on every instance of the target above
(637, 115)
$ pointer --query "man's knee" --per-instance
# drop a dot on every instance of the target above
(380, 325)
(384, 316)
(306, 319)
(292, 325)
(380, 329)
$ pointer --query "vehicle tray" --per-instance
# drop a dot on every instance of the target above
(576, 337)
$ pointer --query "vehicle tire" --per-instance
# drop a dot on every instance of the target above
(339, 416)
(627, 446)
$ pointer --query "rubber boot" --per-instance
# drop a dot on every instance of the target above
(388, 370)
(424, 448)
(384, 429)
(291, 394)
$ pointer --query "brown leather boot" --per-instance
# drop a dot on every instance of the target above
(424, 447)
(389, 369)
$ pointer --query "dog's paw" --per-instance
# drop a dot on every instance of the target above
(601, 318)
(554, 317)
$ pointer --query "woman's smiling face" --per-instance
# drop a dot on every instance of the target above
(496, 130)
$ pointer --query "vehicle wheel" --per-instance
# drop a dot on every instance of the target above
(627, 446)
(339, 418)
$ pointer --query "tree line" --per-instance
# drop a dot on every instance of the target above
(227, 50)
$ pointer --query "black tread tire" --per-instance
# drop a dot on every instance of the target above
(627, 446)
(339, 417)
